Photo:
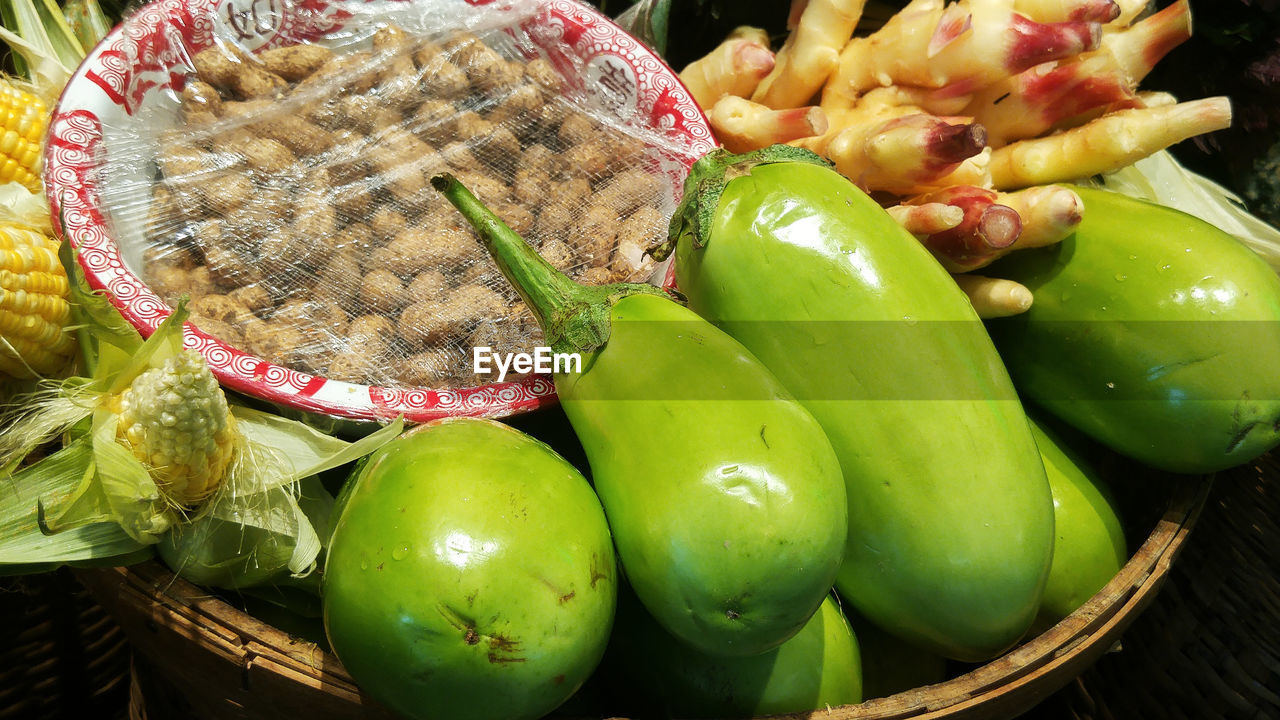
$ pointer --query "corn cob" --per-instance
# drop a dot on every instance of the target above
(23, 119)
(175, 420)
(33, 303)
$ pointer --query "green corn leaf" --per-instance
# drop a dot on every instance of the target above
(46, 50)
(98, 325)
(87, 20)
(53, 480)
(245, 539)
(135, 501)
(310, 451)
(164, 343)
(269, 522)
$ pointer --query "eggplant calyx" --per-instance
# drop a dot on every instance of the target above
(706, 183)
(573, 317)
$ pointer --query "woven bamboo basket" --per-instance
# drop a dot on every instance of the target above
(61, 654)
(1210, 644)
(219, 662)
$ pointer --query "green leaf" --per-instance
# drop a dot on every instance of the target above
(309, 451)
(164, 343)
(87, 21)
(135, 501)
(271, 519)
(98, 324)
(54, 480)
(318, 505)
(46, 50)
(237, 544)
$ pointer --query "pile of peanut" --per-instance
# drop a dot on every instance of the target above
(294, 205)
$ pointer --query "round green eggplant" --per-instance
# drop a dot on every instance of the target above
(470, 574)
(950, 516)
(1153, 332)
(724, 496)
(1089, 546)
(819, 667)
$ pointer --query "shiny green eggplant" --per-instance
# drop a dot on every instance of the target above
(1151, 331)
(470, 574)
(1089, 546)
(723, 494)
(657, 675)
(950, 516)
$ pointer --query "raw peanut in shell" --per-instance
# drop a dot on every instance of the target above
(558, 254)
(516, 216)
(267, 155)
(230, 268)
(227, 191)
(200, 96)
(521, 102)
(295, 133)
(280, 344)
(429, 368)
(443, 79)
(371, 334)
(556, 218)
(337, 280)
(385, 223)
(430, 322)
(629, 190)
(542, 73)
(478, 302)
(219, 64)
(222, 308)
(254, 82)
(253, 297)
(352, 366)
(636, 234)
(596, 229)
(382, 292)
(577, 129)
(295, 62)
(428, 284)
(348, 71)
(225, 332)
(529, 187)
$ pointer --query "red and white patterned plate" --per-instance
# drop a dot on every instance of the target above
(145, 57)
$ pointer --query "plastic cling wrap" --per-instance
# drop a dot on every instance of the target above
(285, 188)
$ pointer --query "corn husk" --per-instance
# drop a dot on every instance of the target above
(46, 50)
(94, 502)
(87, 21)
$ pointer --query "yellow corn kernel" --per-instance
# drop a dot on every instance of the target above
(175, 420)
(23, 119)
(33, 303)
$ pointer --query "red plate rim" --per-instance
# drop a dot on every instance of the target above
(101, 85)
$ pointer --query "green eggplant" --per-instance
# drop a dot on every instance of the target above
(470, 574)
(819, 667)
(1151, 331)
(723, 494)
(1089, 547)
(950, 516)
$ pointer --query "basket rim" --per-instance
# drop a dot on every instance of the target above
(1013, 682)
